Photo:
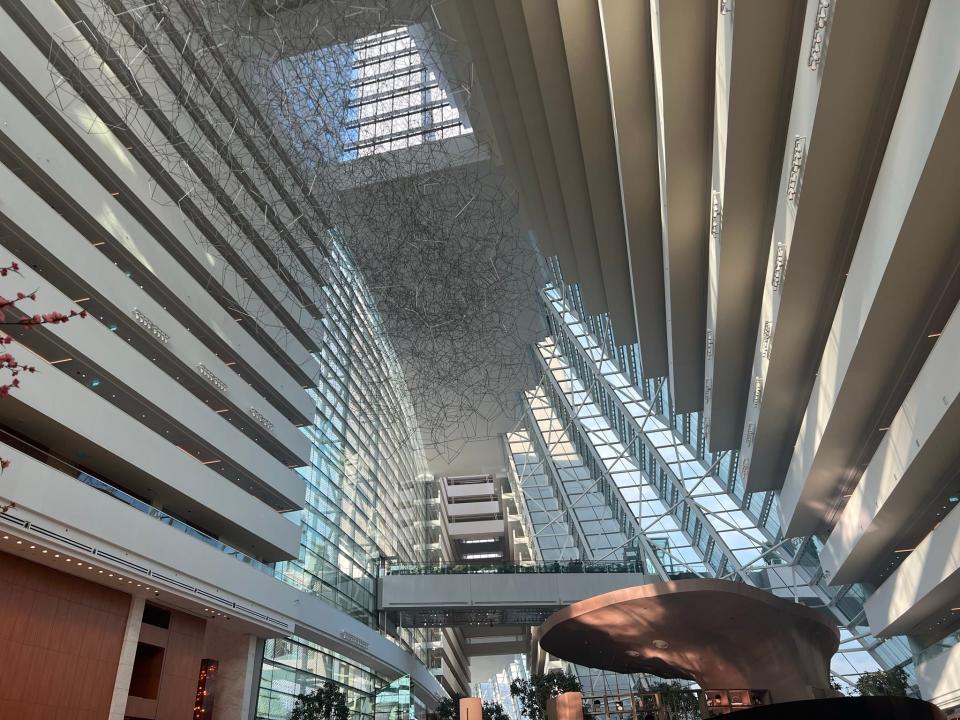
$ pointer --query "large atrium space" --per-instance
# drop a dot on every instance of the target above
(479, 359)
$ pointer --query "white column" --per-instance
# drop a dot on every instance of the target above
(236, 682)
(131, 634)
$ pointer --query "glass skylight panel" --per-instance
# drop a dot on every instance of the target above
(690, 506)
(397, 98)
(694, 474)
(656, 517)
(378, 94)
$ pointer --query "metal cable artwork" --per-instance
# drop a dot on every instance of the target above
(279, 130)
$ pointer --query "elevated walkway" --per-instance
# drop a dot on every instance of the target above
(495, 595)
(495, 605)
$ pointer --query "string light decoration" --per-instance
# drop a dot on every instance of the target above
(203, 703)
(282, 129)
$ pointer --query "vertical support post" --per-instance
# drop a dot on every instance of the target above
(565, 706)
(128, 653)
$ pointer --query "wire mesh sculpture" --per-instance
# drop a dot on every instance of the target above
(278, 128)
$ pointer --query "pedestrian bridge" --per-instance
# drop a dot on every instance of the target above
(494, 606)
(453, 595)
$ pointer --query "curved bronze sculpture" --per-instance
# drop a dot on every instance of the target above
(718, 633)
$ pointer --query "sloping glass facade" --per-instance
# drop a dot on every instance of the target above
(367, 481)
(366, 494)
(610, 472)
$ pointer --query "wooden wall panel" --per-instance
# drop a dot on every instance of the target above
(181, 667)
(60, 639)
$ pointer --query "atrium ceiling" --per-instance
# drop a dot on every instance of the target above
(704, 171)
(432, 218)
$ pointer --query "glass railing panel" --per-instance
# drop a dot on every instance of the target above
(575, 566)
(116, 493)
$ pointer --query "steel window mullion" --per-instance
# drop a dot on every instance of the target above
(407, 112)
(673, 479)
(603, 472)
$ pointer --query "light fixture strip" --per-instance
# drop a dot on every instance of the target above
(150, 326)
(821, 26)
(261, 418)
(211, 378)
(716, 217)
(767, 338)
(796, 166)
(779, 266)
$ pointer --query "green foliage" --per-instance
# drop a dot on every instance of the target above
(532, 694)
(449, 707)
(680, 701)
(327, 703)
(884, 682)
(494, 711)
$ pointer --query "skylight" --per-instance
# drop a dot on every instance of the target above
(381, 93)
(397, 99)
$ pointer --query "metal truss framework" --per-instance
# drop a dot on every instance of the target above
(586, 407)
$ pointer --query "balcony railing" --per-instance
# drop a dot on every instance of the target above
(43, 455)
(938, 647)
(575, 566)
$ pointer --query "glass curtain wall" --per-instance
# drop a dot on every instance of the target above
(367, 483)
(366, 496)
(670, 499)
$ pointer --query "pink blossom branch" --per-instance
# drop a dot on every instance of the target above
(7, 361)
